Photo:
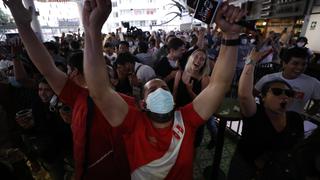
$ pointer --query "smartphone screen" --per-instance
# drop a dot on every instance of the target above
(205, 10)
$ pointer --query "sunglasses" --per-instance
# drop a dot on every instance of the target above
(279, 91)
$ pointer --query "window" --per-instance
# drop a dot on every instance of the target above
(114, 4)
(115, 14)
(125, 12)
(142, 23)
(117, 24)
(150, 11)
(138, 12)
(154, 22)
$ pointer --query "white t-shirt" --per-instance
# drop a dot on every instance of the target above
(306, 88)
(146, 58)
(267, 59)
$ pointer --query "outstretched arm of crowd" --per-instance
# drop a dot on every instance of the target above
(39, 55)
(208, 101)
(247, 101)
(95, 13)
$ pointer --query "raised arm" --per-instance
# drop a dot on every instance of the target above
(113, 107)
(208, 101)
(39, 55)
(246, 97)
(19, 71)
(201, 34)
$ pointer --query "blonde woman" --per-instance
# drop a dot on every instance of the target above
(190, 82)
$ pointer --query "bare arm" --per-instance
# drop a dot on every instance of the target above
(39, 55)
(246, 97)
(177, 79)
(19, 70)
(21, 74)
(113, 107)
(208, 101)
(201, 34)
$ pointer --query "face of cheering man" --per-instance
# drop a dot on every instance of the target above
(277, 97)
(158, 101)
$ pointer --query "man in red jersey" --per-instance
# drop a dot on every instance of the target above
(100, 144)
(159, 140)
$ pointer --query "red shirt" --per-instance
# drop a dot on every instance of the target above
(144, 143)
(103, 138)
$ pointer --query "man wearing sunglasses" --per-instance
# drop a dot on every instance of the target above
(306, 87)
(268, 127)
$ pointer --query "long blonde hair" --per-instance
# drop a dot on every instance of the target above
(204, 70)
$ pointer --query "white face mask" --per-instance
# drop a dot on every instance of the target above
(244, 41)
(130, 43)
(301, 44)
(160, 101)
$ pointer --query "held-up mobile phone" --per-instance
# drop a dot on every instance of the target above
(205, 10)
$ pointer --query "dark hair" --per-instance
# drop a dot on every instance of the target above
(125, 43)
(169, 37)
(75, 60)
(152, 41)
(75, 45)
(266, 86)
(297, 52)
(175, 43)
(124, 58)
(143, 47)
(244, 35)
(108, 45)
(43, 80)
(304, 39)
(51, 46)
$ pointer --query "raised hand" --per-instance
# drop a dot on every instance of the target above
(95, 13)
(16, 46)
(227, 16)
(21, 15)
(256, 56)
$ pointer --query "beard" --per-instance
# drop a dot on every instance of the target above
(160, 118)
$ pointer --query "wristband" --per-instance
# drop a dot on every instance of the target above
(249, 62)
(232, 42)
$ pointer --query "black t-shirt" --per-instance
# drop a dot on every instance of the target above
(183, 97)
(50, 134)
(163, 69)
(124, 87)
(259, 135)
